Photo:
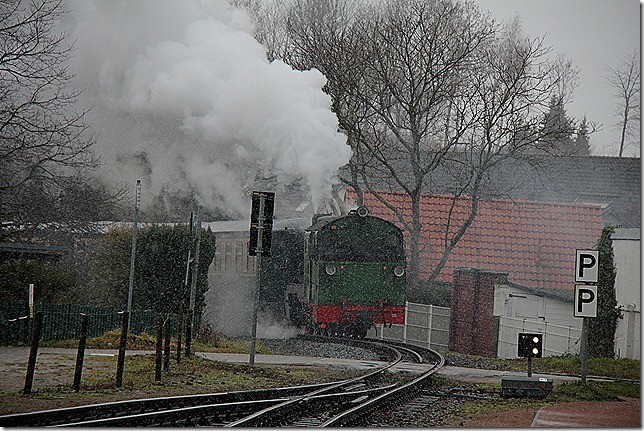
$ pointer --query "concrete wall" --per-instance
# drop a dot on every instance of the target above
(626, 255)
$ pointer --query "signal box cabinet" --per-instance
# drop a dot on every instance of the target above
(512, 386)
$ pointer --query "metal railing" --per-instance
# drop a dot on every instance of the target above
(557, 339)
(425, 326)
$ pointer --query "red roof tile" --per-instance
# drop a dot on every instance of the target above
(534, 242)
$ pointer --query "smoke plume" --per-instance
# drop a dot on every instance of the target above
(184, 98)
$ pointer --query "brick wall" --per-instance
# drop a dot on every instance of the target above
(472, 328)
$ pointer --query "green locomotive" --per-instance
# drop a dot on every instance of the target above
(354, 274)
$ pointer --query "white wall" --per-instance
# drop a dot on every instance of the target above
(520, 310)
(626, 255)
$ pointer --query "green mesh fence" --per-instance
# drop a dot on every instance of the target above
(63, 321)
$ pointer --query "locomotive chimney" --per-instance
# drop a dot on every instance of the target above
(316, 218)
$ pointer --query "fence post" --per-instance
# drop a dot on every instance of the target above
(157, 373)
(179, 334)
(122, 344)
(82, 339)
(166, 350)
(25, 329)
(33, 353)
(406, 321)
(189, 334)
(430, 318)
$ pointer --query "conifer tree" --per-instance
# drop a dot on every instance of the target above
(601, 335)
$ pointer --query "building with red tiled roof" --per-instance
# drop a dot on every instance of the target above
(533, 242)
(614, 183)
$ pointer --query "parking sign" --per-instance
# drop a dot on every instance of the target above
(587, 266)
(585, 300)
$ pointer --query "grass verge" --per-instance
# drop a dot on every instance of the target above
(620, 368)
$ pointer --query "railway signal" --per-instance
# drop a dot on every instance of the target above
(261, 227)
(530, 345)
(261, 223)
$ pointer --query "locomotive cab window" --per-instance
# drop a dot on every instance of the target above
(370, 246)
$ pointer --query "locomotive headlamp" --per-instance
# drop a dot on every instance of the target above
(362, 211)
(399, 271)
(329, 269)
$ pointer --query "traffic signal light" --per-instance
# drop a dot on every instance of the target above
(530, 345)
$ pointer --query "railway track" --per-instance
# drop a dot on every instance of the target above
(331, 404)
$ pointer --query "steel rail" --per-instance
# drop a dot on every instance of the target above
(353, 415)
(82, 413)
(206, 415)
(264, 417)
(205, 409)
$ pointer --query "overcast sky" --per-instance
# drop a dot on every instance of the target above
(592, 34)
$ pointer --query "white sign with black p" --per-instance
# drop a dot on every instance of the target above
(587, 266)
(585, 300)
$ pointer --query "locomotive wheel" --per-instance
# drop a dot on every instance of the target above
(361, 325)
(361, 331)
(331, 329)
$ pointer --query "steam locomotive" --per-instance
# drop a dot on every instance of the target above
(354, 275)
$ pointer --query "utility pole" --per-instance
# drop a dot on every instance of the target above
(193, 284)
(137, 204)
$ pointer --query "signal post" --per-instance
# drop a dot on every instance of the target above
(261, 227)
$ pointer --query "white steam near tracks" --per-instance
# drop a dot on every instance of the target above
(183, 97)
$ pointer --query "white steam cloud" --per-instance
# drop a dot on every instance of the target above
(184, 97)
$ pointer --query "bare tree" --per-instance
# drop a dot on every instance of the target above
(433, 96)
(502, 103)
(44, 153)
(624, 79)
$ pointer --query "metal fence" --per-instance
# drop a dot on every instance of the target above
(425, 326)
(557, 339)
(63, 321)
